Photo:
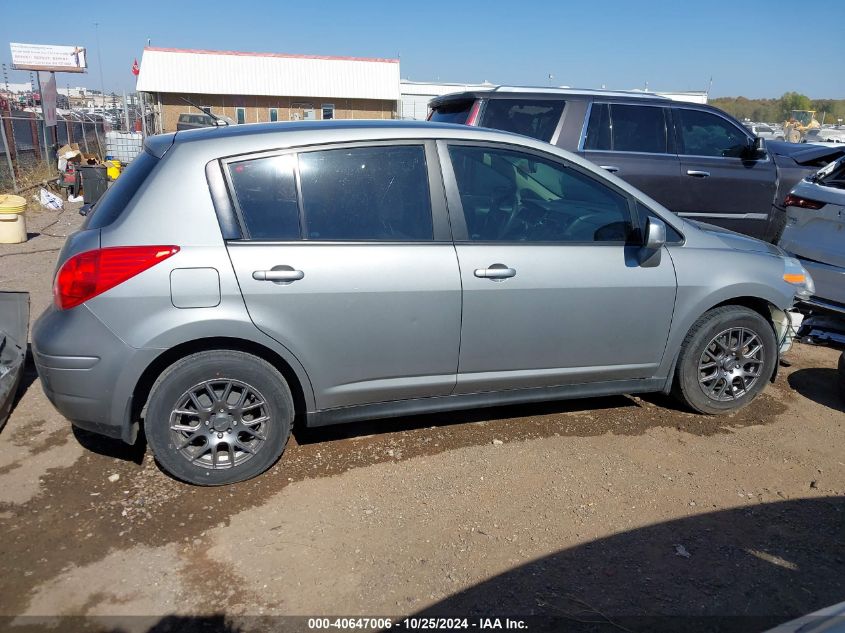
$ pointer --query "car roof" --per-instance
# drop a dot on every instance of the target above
(337, 129)
(536, 92)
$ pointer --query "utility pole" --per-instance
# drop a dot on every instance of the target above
(100, 64)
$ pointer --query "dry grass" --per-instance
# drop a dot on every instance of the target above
(30, 178)
(38, 175)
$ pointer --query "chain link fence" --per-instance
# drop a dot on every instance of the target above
(28, 148)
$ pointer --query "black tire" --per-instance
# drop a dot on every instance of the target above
(688, 386)
(250, 448)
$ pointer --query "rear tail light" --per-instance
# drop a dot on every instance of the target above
(472, 117)
(804, 203)
(88, 274)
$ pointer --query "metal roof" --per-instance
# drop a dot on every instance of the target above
(188, 71)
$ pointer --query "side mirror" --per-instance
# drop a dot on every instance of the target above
(653, 242)
(759, 146)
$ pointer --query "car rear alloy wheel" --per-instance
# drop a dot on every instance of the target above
(219, 416)
(725, 360)
(220, 423)
(730, 364)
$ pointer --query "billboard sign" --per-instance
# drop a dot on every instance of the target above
(60, 59)
(47, 84)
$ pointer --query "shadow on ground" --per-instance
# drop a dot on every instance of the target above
(305, 435)
(112, 447)
(821, 385)
(746, 569)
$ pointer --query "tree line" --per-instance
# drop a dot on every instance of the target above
(777, 110)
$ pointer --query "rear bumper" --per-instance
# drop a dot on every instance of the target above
(87, 372)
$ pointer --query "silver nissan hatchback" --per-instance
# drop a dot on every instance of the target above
(236, 279)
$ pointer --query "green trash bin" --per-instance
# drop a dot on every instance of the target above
(95, 181)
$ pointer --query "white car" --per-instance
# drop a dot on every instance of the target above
(815, 232)
(761, 130)
(824, 135)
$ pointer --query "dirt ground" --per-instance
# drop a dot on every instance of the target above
(620, 513)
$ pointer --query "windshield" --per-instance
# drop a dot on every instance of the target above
(802, 116)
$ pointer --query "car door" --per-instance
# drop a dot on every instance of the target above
(634, 141)
(348, 261)
(552, 290)
(723, 185)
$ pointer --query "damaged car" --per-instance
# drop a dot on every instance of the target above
(328, 272)
(14, 329)
(815, 234)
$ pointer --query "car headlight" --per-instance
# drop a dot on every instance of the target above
(794, 273)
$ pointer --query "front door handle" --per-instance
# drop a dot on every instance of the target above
(698, 174)
(495, 272)
(611, 168)
(279, 274)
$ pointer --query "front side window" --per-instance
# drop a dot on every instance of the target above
(366, 193)
(515, 197)
(537, 119)
(705, 134)
(672, 236)
(626, 128)
(265, 189)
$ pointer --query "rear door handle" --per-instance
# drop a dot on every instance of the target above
(495, 272)
(611, 168)
(698, 174)
(278, 274)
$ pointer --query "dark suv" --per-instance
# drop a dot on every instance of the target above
(694, 159)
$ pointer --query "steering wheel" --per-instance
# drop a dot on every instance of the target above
(529, 213)
(507, 197)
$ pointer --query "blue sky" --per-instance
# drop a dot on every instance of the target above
(670, 45)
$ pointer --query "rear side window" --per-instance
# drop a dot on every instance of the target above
(117, 197)
(627, 128)
(598, 128)
(266, 193)
(366, 193)
(454, 112)
(537, 119)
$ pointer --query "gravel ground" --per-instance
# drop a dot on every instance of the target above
(604, 513)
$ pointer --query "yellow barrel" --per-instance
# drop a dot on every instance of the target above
(112, 169)
(12, 219)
